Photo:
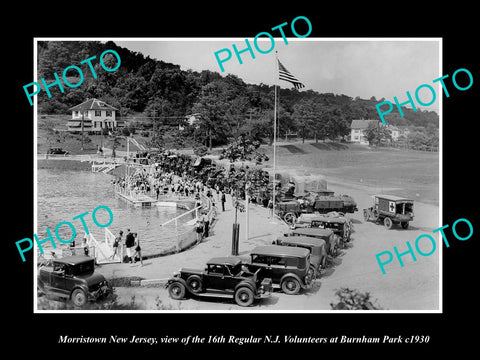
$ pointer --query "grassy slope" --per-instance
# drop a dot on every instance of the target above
(408, 173)
(72, 142)
(398, 172)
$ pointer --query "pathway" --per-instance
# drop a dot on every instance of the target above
(262, 231)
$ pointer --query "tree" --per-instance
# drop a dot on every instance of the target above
(212, 106)
(305, 114)
(157, 140)
(115, 136)
(372, 133)
(376, 133)
(243, 148)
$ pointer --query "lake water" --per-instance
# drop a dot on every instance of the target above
(64, 194)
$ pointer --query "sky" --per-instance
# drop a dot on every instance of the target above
(363, 67)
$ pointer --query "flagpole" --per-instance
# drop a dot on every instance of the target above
(275, 133)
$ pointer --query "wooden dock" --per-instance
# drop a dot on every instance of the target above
(141, 200)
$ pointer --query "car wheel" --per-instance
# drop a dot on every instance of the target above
(176, 290)
(405, 224)
(289, 218)
(244, 296)
(311, 274)
(194, 284)
(388, 223)
(78, 297)
(291, 286)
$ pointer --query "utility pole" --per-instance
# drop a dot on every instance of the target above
(247, 201)
(83, 118)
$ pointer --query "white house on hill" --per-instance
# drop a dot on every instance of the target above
(96, 116)
(357, 130)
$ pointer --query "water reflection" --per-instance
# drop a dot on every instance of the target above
(64, 194)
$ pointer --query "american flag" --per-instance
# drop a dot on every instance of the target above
(284, 74)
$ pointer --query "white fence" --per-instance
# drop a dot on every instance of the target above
(103, 251)
(84, 157)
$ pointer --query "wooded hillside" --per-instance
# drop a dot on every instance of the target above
(227, 105)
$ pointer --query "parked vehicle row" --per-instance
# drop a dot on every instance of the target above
(268, 266)
(291, 263)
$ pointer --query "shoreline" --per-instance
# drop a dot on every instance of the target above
(413, 287)
(64, 164)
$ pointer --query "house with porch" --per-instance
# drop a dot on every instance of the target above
(357, 129)
(96, 115)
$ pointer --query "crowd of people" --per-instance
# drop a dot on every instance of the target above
(182, 176)
(179, 175)
(175, 176)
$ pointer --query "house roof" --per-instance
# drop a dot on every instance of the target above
(362, 124)
(92, 104)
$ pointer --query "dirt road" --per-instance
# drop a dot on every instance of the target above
(415, 286)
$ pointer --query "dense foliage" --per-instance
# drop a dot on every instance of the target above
(225, 106)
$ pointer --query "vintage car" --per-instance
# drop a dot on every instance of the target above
(290, 210)
(332, 240)
(288, 267)
(57, 151)
(222, 277)
(320, 202)
(324, 201)
(340, 225)
(74, 278)
(390, 210)
(317, 248)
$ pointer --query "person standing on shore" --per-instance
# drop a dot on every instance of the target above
(72, 247)
(129, 244)
(117, 243)
(138, 249)
(223, 199)
(206, 224)
(85, 244)
(199, 229)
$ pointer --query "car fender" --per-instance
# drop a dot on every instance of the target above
(246, 283)
(80, 286)
(302, 282)
(176, 279)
